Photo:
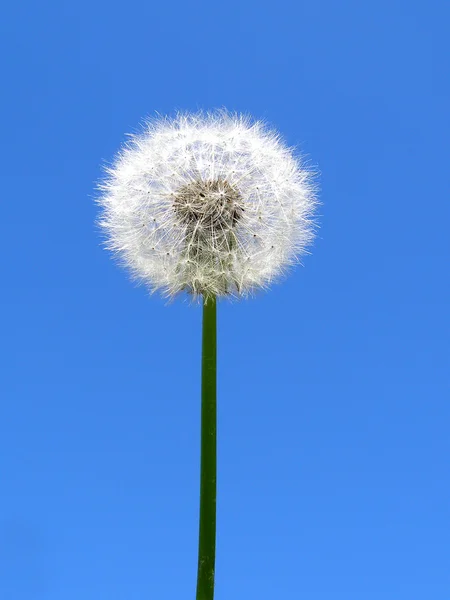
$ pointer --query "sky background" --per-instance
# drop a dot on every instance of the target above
(333, 387)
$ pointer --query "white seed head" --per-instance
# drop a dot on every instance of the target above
(212, 204)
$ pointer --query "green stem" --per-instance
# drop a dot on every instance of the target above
(207, 528)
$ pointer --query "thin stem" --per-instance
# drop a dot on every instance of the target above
(207, 528)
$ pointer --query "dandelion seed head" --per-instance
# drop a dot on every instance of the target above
(211, 204)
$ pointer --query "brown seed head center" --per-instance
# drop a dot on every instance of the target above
(215, 205)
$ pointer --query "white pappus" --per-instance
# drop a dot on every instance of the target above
(209, 203)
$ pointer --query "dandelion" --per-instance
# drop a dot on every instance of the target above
(213, 205)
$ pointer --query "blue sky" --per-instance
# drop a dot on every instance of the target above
(333, 387)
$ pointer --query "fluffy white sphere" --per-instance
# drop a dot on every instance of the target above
(211, 204)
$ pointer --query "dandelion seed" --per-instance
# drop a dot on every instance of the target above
(232, 206)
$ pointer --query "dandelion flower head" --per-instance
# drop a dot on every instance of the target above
(211, 204)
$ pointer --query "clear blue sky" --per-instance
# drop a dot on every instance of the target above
(333, 387)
